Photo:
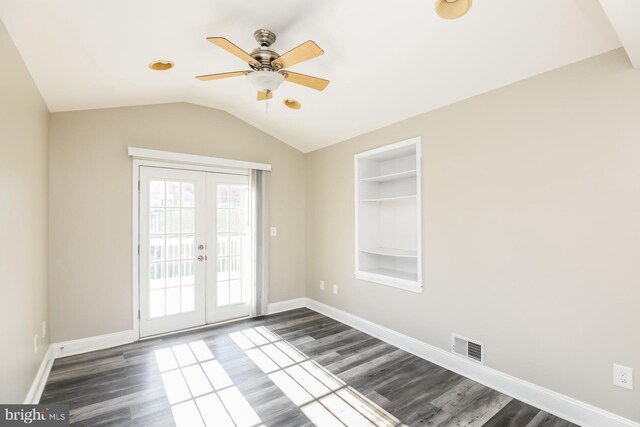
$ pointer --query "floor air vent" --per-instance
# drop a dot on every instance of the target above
(467, 348)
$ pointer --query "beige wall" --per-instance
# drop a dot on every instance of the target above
(24, 189)
(531, 229)
(90, 217)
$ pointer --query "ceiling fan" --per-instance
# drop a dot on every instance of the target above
(267, 66)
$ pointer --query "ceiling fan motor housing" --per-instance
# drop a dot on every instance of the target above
(264, 56)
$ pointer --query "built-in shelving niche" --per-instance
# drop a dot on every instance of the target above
(388, 215)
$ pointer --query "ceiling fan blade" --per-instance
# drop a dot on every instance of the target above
(208, 77)
(304, 52)
(264, 96)
(304, 80)
(231, 48)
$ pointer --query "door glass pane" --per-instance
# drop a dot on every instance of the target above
(173, 220)
(156, 248)
(235, 220)
(235, 244)
(173, 193)
(173, 301)
(156, 275)
(156, 193)
(223, 220)
(223, 196)
(188, 196)
(173, 274)
(188, 220)
(235, 265)
(188, 247)
(188, 277)
(223, 293)
(156, 221)
(223, 244)
(235, 196)
(235, 292)
(173, 247)
(156, 303)
(188, 299)
(223, 269)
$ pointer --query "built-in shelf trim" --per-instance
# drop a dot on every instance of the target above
(396, 279)
(390, 199)
(391, 252)
(391, 176)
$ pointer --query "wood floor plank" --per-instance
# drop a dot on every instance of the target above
(481, 409)
(458, 397)
(515, 414)
(302, 368)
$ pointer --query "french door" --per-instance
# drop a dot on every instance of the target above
(195, 248)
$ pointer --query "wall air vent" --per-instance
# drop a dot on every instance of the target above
(467, 348)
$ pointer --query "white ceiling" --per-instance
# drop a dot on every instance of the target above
(625, 17)
(387, 60)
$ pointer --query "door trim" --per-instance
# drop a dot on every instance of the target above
(135, 210)
(193, 159)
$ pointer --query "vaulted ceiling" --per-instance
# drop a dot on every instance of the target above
(387, 61)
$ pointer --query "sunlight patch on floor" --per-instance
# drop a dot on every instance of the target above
(324, 398)
(200, 391)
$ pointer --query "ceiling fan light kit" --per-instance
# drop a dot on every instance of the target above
(452, 9)
(267, 71)
(265, 81)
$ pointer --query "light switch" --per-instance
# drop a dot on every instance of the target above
(274, 232)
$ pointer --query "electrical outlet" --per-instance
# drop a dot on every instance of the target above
(322, 285)
(274, 232)
(335, 289)
(44, 329)
(35, 344)
(623, 376)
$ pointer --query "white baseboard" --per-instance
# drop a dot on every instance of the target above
(35, 391)
(291, 304)
(84, 345)
(549, 401)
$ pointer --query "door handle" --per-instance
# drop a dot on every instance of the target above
(200, 258)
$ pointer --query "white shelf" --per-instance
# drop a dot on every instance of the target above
(400, 253)
(402, 275)
(391, 176)
(390, 199)
(389, 277)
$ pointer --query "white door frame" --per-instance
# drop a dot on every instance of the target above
(166, 159)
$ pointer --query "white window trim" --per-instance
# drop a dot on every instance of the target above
(169, 159)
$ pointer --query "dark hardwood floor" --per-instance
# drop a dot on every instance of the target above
(296, 368)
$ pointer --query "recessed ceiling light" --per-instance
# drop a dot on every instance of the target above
(161, 65)
(452, 9)
(292, 103)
